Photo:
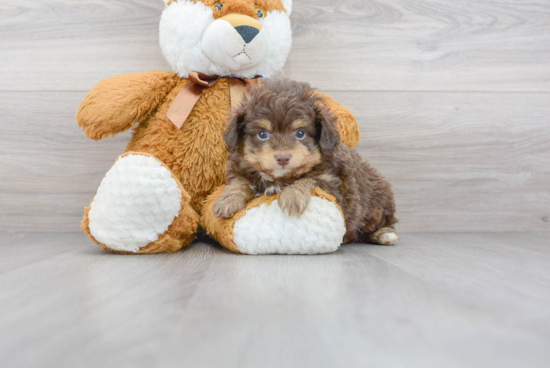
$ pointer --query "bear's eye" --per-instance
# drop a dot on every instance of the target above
(260, 13)
(263, 135)
(300, 134)
(218, 6)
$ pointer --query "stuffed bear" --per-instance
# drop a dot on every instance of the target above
(162, 189)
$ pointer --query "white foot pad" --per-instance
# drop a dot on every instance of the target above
(389, 239)
(267, 230)
(136, 202)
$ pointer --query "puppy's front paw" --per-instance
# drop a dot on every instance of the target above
(228, 205)
(293, 201)
(273, 190)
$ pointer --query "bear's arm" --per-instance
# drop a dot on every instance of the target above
(116, 104)
(347, 125)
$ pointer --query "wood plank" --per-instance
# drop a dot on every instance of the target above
(48, 168)
(427, 45)
(458, 161)
(430, 45)
(434, 300)
(21, 249)
(68, 45)
(470, 264)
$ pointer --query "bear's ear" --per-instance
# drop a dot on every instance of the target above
(234, 129)
(288, 6)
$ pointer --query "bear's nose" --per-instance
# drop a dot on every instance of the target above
(283, 159)
(247, 33)
(247, 27)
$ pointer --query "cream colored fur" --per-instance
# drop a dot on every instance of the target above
(185, 34)
(136, 202)
(266, 229)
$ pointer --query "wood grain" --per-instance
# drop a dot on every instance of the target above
(434, 300)
(389, 45)
(48, 168)
(458, 161)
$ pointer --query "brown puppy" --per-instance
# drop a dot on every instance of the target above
(284, 140)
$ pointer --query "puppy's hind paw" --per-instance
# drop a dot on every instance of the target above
(384, 236)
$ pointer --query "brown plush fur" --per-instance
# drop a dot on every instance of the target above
(284, 139)
(240, 7)
(116, 104)
(244, 7)
(196, 154)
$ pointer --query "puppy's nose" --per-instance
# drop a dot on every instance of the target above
(247, 27)
(283, 159)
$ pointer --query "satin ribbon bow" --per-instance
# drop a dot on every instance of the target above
(189, 95)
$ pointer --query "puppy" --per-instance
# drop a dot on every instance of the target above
(283, 139)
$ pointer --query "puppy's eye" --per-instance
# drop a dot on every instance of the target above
(263, 135)
(300, 134)
(218, 6)
(260, 13)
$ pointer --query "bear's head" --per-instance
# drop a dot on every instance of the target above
(236, 38)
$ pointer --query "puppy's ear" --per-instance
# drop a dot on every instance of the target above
(234, 130)
(327, 133)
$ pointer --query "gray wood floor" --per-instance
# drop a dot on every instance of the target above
(434, 300)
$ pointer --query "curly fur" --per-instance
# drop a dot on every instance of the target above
(281, 108)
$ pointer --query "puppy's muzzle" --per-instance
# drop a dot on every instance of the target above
(283, 159)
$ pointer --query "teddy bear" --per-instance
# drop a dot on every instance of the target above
(161, 190)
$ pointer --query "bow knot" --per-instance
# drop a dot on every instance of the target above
(188, 96)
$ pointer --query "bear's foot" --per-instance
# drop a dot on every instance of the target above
(140, 207)
(262, 228)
